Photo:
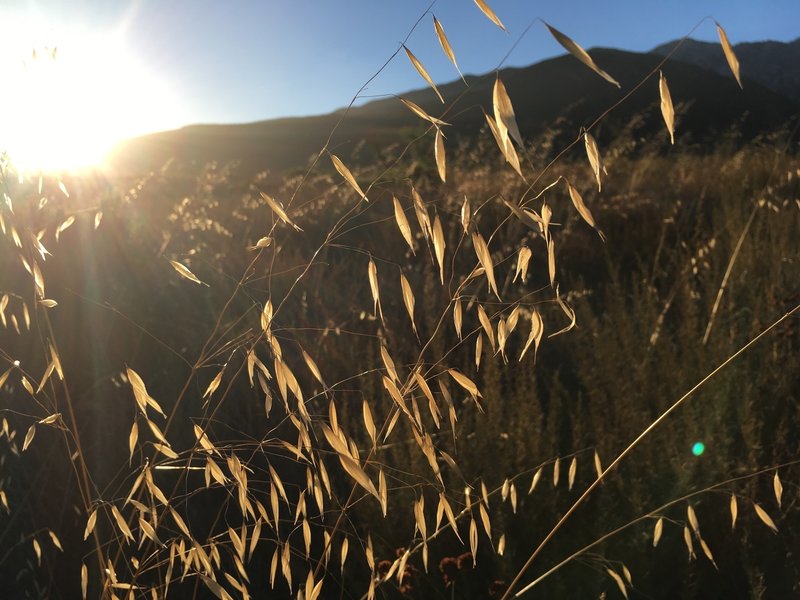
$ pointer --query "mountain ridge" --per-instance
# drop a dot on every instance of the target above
(554, 90)
(770, 63)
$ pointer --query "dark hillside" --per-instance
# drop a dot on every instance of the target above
(558, 91)
(771, 64)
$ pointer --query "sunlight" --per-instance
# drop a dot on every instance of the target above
(70, 96)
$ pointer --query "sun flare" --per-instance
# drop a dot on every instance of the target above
(69, 97)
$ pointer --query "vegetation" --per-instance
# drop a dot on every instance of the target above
(394, 372)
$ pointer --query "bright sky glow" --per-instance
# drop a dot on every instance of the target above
(70, 95)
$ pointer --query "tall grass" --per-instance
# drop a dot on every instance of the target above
(292, 426)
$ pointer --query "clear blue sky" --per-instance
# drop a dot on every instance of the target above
(245, 60)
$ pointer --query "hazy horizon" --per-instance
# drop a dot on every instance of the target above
(250, 62)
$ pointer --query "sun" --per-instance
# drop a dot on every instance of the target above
(69, 96)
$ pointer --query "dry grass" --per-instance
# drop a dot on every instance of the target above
(341, 384)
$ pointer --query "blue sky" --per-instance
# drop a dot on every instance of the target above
(243, 60)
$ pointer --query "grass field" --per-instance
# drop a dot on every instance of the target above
(534, 350)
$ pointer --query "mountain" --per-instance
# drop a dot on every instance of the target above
(558, 91)
(775, 65)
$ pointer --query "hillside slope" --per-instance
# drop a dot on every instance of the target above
(556, 90)
(775, 65)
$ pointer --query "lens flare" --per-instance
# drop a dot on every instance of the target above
(70, 95)
(698, 448)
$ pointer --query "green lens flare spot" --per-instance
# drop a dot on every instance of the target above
(698, 448)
